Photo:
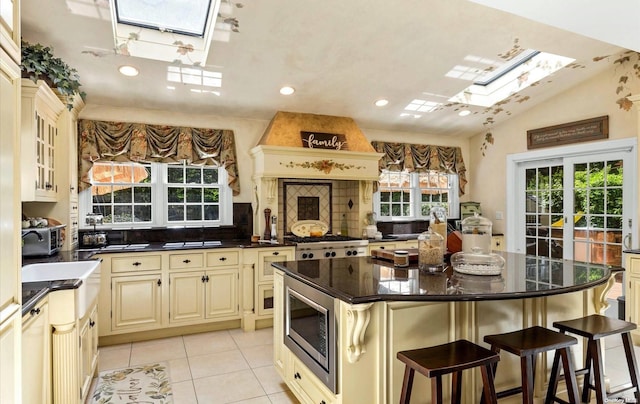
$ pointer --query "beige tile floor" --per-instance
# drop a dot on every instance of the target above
(210, 368)
(236, 367)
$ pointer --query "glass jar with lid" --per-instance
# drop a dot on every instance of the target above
(430, 250)
(476, 235)
(438, 222)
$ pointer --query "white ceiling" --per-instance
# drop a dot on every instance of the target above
(340, 56)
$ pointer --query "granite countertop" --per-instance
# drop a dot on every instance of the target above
(366, 279)
(33, 292)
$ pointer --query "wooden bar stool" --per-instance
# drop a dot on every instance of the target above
(594, 328)
(527, 344)
(454, 357)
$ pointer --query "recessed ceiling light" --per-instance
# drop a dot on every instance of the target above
(381, 103)
(128, 70)
(287, 90)
(464, 112)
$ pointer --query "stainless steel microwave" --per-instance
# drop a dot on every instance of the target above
(42, 241)
(310, 329)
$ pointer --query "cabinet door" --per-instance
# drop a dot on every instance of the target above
(9, 182)
(632, 299)
(36, 356)
(222, 293)
(265, 258)
(10, 331)
(136, 302)
(88, 351)
(186, 296)
(265, 300)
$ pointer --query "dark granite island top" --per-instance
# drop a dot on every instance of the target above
(366, 280)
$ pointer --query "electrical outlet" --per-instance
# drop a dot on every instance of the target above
(498, 215)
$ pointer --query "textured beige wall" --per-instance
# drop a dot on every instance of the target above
(595, 97)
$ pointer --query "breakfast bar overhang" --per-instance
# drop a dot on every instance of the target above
(381, 309)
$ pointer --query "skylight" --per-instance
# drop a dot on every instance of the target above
(167, 30)
(182, 17)
(498, 82)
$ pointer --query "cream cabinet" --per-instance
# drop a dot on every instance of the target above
(632, 292)
(392, 245)
(307, 387)
(59, 165)
(10, 351)
(497, 243)
(136, 302)
(279, 354)
(36, 355)
(210, 293)
(74, 349)
(259, 282)
(88, 350)
(41, 111)
(10, 316)
(160, 290)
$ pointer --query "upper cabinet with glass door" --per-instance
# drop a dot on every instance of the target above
(41, 110)
(10, 28)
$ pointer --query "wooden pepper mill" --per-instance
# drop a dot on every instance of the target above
(267, 224)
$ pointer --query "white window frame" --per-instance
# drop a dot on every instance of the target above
(416, 200)
(159, 215)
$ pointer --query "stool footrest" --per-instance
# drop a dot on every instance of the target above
(509, 392)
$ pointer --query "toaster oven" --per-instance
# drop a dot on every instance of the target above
(42, 241)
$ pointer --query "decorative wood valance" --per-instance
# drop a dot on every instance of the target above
(123, 141)
(422, 158)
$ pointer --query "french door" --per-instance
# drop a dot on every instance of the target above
(574, 203)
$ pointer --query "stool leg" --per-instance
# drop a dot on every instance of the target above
(569, 376)
(407, 384)
(598, 367)
(436, 390)
(553, 380)
(488, 385)
(456, 387)
(586, 387)
(631, 362)
(526, 368)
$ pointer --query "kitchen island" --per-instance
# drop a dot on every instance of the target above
(380, 310)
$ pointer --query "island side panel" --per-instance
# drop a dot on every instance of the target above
(412, 325)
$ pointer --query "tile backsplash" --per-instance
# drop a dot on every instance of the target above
(334, 198)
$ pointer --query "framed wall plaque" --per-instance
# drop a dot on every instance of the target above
(573, 132)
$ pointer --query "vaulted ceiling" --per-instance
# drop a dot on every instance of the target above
(339, 55)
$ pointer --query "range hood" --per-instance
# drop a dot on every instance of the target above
(310, 146)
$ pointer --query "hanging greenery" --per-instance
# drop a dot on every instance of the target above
(38, 63)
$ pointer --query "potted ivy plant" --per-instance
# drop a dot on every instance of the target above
(38, 63)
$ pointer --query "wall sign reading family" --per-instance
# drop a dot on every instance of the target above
(573, 132)
(318, 140)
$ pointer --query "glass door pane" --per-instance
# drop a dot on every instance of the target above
(597, 211)
(544, 200)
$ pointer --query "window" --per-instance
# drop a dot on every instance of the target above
(410, 196)
(158, 194)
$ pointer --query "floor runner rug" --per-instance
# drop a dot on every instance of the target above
(134, 384)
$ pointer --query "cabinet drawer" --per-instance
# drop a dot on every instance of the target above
(182, 261)
(222, 258)
(307, 383)
(633, 264)
(136, 263)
